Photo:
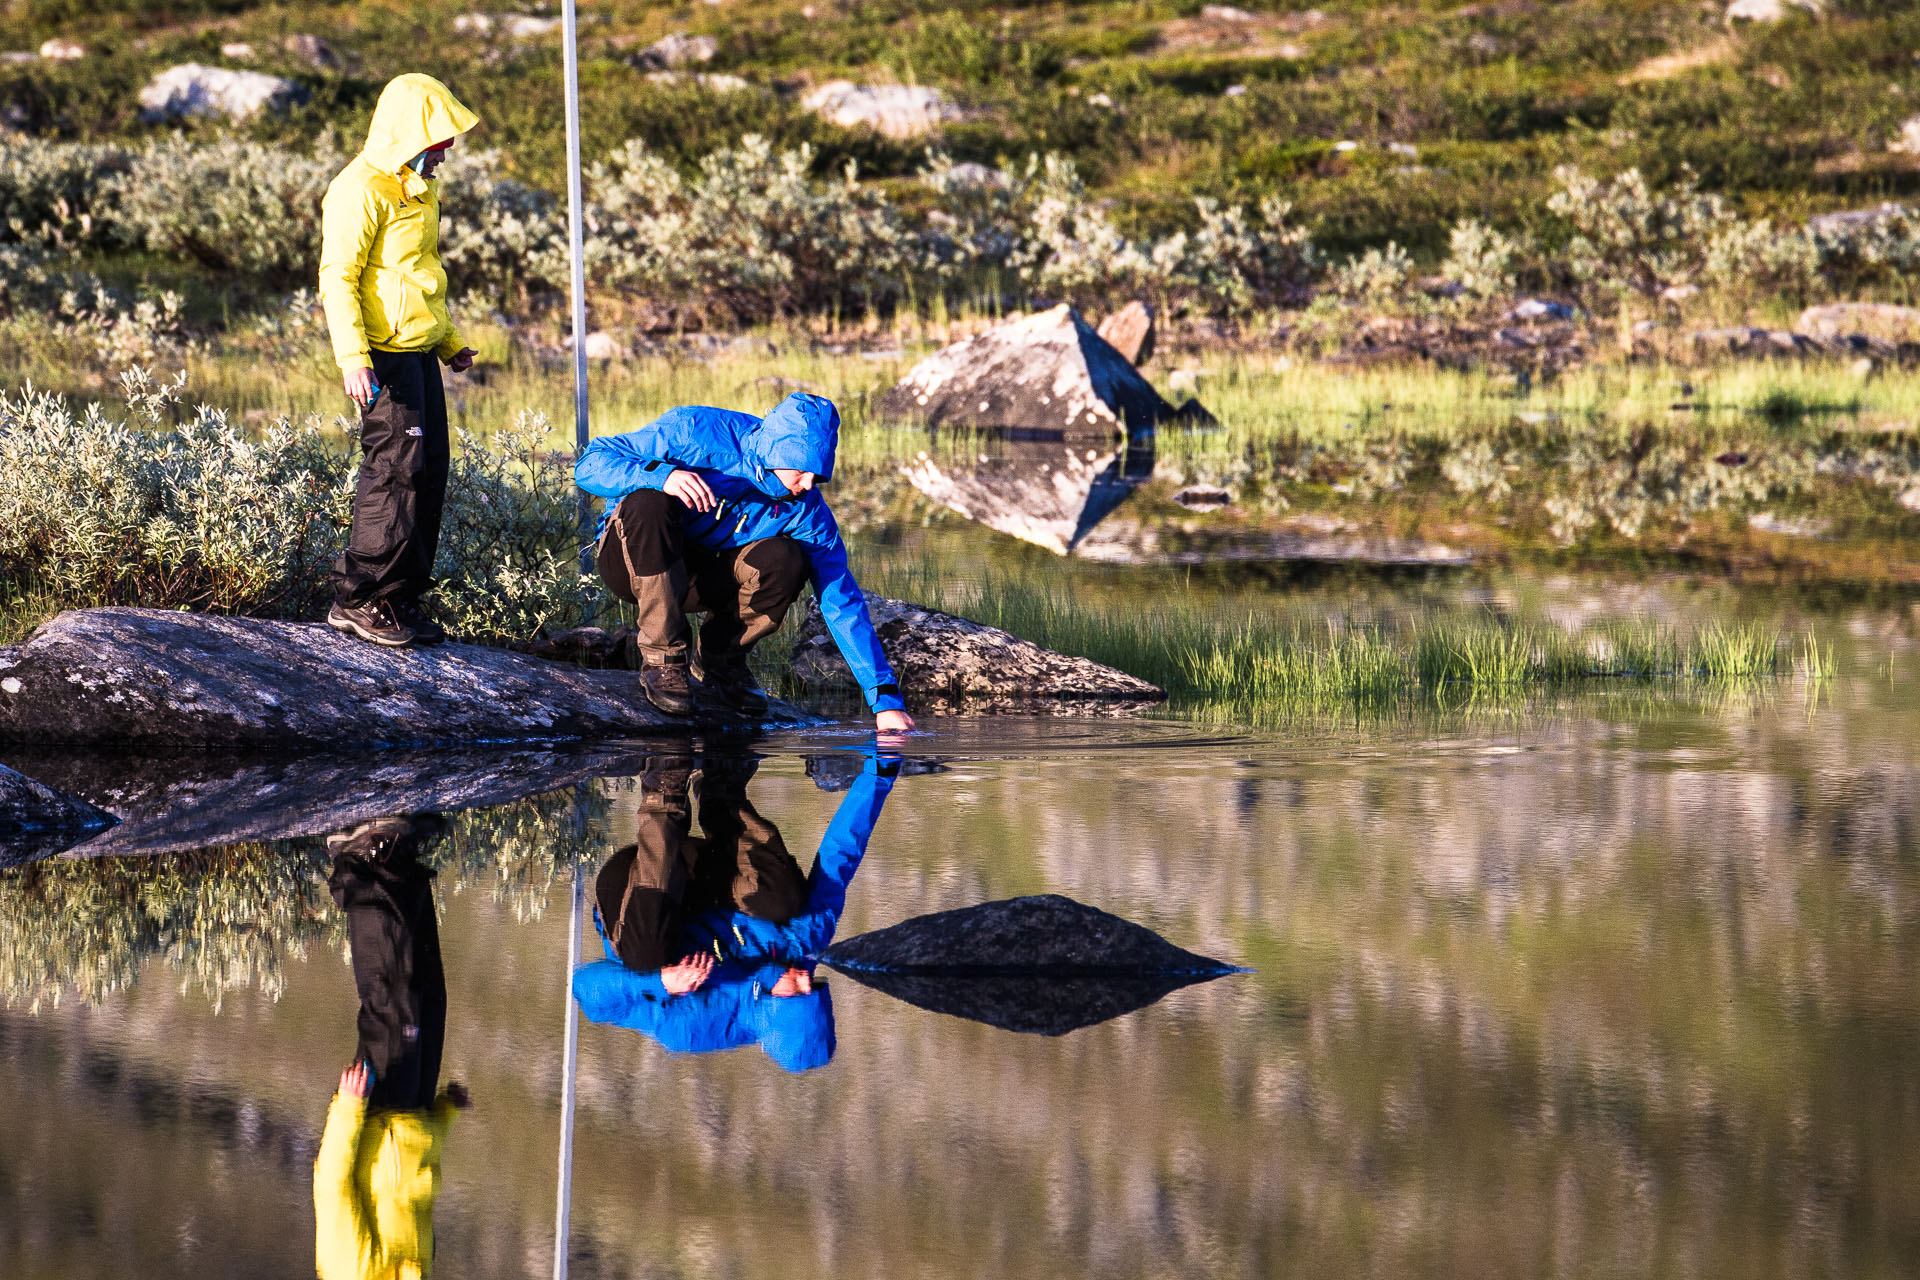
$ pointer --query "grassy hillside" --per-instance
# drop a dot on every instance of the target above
(1157, 102)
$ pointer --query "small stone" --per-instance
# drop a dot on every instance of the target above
(1770, 10)
(674, 51)
(894, 110)
(60, 49)
(1203, 497)
(1130, 331)
(1910, 498)
(1909, 139)
(1236, 90)
(194, 90)
(313, 51)
(602, 345)
(1227, 13)
(1345, 145)
(237, 51)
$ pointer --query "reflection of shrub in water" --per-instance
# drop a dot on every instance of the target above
(235, 917)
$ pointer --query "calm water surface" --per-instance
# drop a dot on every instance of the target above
(1617, 986)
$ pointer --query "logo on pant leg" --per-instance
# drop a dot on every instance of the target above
(415, 431)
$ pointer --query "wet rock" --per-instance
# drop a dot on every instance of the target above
(1045, 965)
(148, 679)
(896, 110)
(193, 90)
(36, 820)
(194, 800)
(60, 49)
(1872, 319)
(1046, 372)
(1049, 493)
(1203, 497)
(945, 662)
(1130, 332)
(670, 53)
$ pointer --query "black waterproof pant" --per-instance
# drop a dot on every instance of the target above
(396, 969)
(403, 484)
(646, 560)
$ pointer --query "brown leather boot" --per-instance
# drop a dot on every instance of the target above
(731, 680)
(668, 686)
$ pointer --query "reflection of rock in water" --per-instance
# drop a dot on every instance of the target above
(1047, 492)
(1046, 964)
(36, 820)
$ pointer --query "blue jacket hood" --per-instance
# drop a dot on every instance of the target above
(796, 1031)
(801, 434)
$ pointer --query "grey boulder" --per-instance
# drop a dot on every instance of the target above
(948, 663)
(1048, 372)
(149, 679)
(36, 820)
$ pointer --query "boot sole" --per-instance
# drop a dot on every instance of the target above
(352, 628)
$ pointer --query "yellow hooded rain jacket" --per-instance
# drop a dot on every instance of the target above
(381, 281)
(374, 1184)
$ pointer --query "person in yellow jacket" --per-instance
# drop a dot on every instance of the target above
(385, 296)
(378, 1170)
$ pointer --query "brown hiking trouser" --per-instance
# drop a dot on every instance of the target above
(645, 560)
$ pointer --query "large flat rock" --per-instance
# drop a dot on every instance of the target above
(149, 680)
(944, 663)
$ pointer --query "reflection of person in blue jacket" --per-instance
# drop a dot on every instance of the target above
(714, 511)
(711, 940)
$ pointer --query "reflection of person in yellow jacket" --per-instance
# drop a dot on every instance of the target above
(385, 295)
(378, 1171)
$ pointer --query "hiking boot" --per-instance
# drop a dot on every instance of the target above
(376, 839)
(668, 686)
(425, 629)
(374, 622)
(733, 683)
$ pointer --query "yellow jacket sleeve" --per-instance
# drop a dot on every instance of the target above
(450, 345)
(343, 1223)
(349, 220)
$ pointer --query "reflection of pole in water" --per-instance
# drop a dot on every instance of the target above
(570, 1070)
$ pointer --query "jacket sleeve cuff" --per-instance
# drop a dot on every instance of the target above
(885, 697)
(449, 346)
(349, 363)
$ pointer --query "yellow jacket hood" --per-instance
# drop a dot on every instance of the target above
(415, 112)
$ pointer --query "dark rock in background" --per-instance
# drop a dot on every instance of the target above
(1036, 1005)
(945, 662)
(155, 680)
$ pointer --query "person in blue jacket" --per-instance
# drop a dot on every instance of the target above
(711, 941)
(717, 511)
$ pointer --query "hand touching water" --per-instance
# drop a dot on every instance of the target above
(687, 975)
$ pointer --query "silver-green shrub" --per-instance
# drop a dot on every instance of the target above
(131, 507)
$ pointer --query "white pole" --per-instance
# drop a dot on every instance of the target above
(577, 282)
(569, 1076)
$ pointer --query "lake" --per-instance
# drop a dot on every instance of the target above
(1625, 982)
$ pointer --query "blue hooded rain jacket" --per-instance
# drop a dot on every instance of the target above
(736, 453)
(736, 1005)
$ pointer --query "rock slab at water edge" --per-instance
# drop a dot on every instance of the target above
(1880, 320)
(1049, 372)
(193, 90)
(944, 662)
(1044, 965)
(36, 820)
(152, 679)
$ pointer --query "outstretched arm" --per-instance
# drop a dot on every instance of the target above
(844, 608)
(343, 1224)
(843, 847)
